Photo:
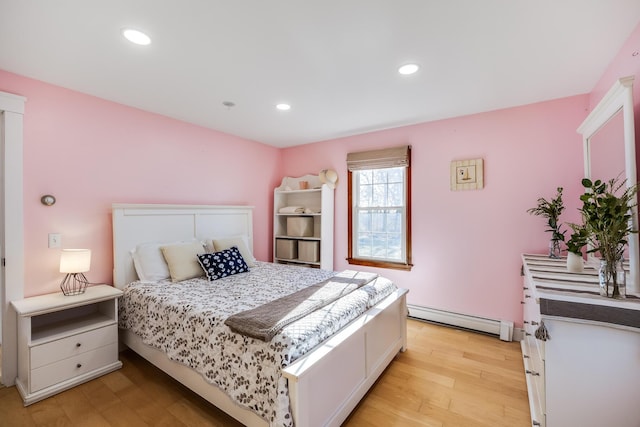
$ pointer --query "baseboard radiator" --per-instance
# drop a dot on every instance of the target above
(500, 328)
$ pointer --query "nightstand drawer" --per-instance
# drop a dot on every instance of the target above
(54, 351)
(72, 367)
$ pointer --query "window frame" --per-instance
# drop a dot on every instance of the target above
(351, 259)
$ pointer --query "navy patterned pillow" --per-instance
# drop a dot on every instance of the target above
(224, 263)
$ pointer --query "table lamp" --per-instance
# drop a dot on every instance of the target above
(74, 262)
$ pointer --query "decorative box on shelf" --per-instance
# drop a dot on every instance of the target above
(286, 249)
(308, 251)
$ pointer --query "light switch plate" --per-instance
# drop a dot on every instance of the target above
(54, 240)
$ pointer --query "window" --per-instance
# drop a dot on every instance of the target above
(379, 185)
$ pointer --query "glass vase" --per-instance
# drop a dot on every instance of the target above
(613, 279)
(554, 249)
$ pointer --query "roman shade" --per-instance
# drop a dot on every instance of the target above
(375, 159)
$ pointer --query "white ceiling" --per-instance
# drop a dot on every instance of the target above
(334, 61)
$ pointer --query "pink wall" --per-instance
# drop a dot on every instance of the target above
(626, 63)
(91, 153)
(467, 244)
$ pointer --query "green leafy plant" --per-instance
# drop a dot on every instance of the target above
(606, 215)
(577, 240)
(551, 210)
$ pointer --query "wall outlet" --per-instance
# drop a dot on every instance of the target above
(55, 240)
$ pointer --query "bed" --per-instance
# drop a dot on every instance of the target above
(326, 379)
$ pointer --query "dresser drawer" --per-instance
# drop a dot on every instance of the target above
(536, 365)
(71, 367)
(531, 310)
(51, 352)
(532, 348)
(530, 329)
(534, 368)
(540, 346)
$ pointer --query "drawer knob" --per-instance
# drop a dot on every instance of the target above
(534, 373)
(527, 334)
(526, 322)
(525, 288)
(78, 344)
(534, 323)
(521, 302)
(79, 365)
(527, 296)
(526, 356)
(535, 423)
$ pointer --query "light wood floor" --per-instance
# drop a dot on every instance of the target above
(447, 377)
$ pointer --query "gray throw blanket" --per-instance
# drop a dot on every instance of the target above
(265, 321)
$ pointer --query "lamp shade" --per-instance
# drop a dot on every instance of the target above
(75, 260)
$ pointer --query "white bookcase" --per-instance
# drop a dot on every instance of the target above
(317, 201)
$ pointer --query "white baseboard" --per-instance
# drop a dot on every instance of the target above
(500, 328)
(518, 334)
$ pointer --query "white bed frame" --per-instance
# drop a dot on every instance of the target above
(324, 385)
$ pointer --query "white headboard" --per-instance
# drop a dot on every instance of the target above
(142, 223)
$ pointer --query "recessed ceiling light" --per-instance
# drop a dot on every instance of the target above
(283, 107)
(408, 69)
(135, 36)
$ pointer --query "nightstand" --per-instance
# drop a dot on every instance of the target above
(64, 341)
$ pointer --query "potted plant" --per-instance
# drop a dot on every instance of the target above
(606, 214)
(577, 241)
(551, 210)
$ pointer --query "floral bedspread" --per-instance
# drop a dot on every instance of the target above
(186, 321)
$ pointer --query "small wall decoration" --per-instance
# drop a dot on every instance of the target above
(467, 174)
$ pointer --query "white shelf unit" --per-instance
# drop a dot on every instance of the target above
(319, 199)
(64, 340)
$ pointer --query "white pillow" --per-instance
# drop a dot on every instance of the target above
(182, 260)
(149, 262)
(222, 243)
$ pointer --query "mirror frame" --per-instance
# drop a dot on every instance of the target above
(619, 97)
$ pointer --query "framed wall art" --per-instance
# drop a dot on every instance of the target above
(467, 174)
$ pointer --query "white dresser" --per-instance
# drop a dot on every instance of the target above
(65, 340)
(587, 371)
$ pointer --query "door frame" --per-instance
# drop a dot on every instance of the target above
(12, 246)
